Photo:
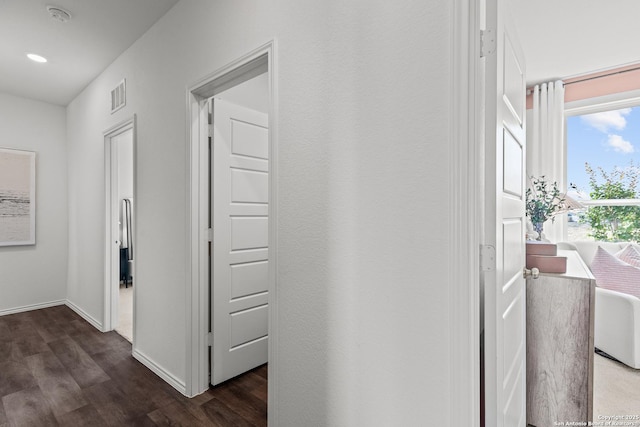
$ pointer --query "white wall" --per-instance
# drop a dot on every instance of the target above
(363, 133)
(253, 94)
(124, 143)
(124, 148)
(35, 275)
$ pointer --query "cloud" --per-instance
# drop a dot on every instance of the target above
(620, 145)
(607, 119)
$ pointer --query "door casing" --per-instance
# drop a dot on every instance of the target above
(465, 202)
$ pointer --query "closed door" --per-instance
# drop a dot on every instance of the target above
(240, 194)
(505, 226)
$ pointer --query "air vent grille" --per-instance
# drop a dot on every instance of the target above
(119, 96)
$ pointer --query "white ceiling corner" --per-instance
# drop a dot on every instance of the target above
(568, 38)
(78, 50)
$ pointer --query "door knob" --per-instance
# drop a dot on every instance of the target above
(534, 273)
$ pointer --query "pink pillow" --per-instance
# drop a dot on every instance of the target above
(630, 255)
(614, 274)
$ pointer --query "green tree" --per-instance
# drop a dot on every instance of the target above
(614, 223)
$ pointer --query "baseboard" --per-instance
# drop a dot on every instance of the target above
(30, 307)
(86, 316)
(161, 372)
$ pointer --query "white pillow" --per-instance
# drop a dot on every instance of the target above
(630, 255)
(615, 274)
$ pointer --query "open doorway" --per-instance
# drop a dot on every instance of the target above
(120, 236)
(258, 190)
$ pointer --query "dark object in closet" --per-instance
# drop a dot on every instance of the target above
(126, 244)
(127, 231)
(125, 275)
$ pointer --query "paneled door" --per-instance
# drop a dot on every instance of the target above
(239, 267)
(505, 226)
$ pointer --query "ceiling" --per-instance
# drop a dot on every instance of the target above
(568, 38)
(77, 50)
(560, 38)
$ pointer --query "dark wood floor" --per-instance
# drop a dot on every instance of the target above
(57, 369)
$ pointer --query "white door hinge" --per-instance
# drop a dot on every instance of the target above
(210, 339)
(487, 42)
(210, 234)
(210, 128)
(487, 258)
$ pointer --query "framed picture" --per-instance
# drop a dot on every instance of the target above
(17, 197)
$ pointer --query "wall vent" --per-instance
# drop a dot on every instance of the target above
(119, 96)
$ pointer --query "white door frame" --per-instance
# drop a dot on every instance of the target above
(197, 293)
(111, 253)
(466, 171)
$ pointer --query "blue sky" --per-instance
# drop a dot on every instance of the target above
(607, 139)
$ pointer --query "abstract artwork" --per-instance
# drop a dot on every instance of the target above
(17, 197)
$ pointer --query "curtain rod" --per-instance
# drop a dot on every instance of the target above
(603, 75)
(530, 89)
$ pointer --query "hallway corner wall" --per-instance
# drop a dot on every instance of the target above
(363, 116)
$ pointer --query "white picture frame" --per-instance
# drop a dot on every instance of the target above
(17, 197)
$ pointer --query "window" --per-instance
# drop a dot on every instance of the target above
(603, 172)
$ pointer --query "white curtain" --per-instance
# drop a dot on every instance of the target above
(546, 151)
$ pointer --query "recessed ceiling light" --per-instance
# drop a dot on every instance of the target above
(36, 58)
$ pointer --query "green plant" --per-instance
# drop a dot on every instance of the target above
(544, 200)
(614, 223)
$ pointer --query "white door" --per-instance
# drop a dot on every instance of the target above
(505, 223)
(240, 194)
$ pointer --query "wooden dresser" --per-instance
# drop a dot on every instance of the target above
(560, 312)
